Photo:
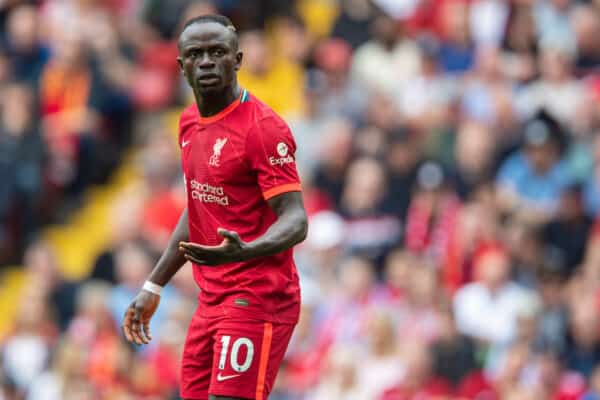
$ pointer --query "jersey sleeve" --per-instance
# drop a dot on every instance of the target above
(270, 149)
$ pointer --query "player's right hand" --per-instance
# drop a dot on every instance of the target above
(136, 322)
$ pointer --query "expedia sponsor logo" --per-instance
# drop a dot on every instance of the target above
(281, 160)
(207, 193)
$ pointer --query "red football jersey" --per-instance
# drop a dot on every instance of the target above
(233, 162)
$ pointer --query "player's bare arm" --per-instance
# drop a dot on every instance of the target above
(136, 323)
(289, 229)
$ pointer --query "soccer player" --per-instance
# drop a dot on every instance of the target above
(244, 214)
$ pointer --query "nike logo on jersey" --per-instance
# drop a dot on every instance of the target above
(221, 378)
(185, 143)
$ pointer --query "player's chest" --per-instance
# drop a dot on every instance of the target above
(214, 153)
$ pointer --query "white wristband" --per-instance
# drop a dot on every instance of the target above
(152, 287)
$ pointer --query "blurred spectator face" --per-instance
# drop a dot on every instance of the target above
(455, 22)
(398, 268)
(292, 39)
(492, 268)
(68, 48)
(91, 301)
(160, 160)
(381, 334)
(197, 8)
(126, 216)
(541, 149)
(586, 25)
(357, 278)
(342, 366)
(41, 264)
(423, 289)
(521, 35)
(256, 52)
(402, 155)
(385, 31)
(336, 146)
(365, 186)
(571, 204)
(133, 264)
(23, 28)
(488, 63)
(584, 321)
(474, 147)
(555, 65)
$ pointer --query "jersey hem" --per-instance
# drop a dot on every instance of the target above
(290, 187)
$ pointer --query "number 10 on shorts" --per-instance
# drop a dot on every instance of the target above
(233, 358)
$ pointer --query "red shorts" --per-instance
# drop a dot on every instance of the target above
(232, 357)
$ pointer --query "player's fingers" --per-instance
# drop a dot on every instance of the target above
(195, 260)
(231, 235)
(127, 325)
(147, 331)
(137, 325)
(136, 333)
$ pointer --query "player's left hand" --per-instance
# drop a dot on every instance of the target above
(231, 249)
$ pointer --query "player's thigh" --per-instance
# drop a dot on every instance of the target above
(247, 355)
(196, 361)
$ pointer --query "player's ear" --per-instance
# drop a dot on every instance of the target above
(180, 62)
(238, 60)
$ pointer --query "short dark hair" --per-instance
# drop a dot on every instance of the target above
(216, 18)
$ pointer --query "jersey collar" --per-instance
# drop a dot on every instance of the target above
(243, 97)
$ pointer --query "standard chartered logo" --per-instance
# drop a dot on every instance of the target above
(207, 193)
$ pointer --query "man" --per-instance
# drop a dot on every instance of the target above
(244, 214)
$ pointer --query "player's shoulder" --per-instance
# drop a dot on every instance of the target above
(261, 116)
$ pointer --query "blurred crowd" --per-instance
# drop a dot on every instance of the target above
(450, 157)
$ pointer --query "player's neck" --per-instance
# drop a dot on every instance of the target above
(212, 104)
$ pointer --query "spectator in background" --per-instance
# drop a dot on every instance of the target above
(432, 213)
(381, 365)
(27, 53)
(582, 352)
(456, 50)
(353, 22)
(520, 43)
(556, 90)
(531, 180)
(568, 232)
(586, 26)
(276, 80)
(339, 381)
(370, 230)
(487, 309)
(27, 349)
(419, 381)
(21, 164)
(386, 60)
(68, 365)
(474, 156)
(454, 354)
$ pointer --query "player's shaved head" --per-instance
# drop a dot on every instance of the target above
(215, 19)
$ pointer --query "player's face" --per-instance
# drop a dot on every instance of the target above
(208, 57)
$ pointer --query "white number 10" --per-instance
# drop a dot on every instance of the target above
(234, 353)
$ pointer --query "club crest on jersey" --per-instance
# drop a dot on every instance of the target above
(217, 148)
